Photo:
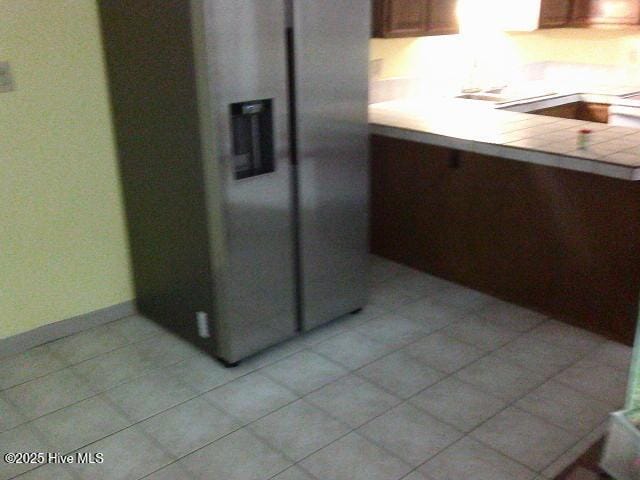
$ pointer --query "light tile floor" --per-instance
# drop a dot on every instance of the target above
(432, 381)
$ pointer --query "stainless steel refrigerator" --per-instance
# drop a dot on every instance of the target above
(241, 128)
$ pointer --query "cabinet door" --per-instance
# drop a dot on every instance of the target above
(443, 17)
(411, 211)
(612, 12)
(589, 112)
(615, 11)
(512, 253)
(593, 112)
(555, 13)
(400, 18)
(581, 12)
(568, 110)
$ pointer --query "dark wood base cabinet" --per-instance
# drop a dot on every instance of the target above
(586, 111)
(561, 242)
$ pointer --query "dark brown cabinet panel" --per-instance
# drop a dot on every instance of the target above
(588, 112)
(581, 13)
(605, 12)
(414, 18)
(593, 112)
(557, 241)
(555, 13)
(443, 17)
(568, 110)
(400, 18)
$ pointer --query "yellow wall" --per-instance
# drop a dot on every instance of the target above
(409, 57)
(578, 45)
(63, 249)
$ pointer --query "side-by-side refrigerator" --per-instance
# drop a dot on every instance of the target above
(241, 128)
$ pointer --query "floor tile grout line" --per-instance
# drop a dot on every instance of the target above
(350, 370)
(467, 435)
(402, 401)
(438, 330)
(345, 318)
(311, 477)
(91, 329)
(108, 325)
(467, 313)
(134, 423)
(67, 365)
(581, 439)
(584, 357)
(354, 430)
(242, 426)
(247, 425)
(95, 392)
(40, 436)
(159, 330)
(512, 403)
(240, 422)
(146, 373)
(580, 357)
(474, 311)
(488, 353)
(116, 407)
(98, 392)
(238, 378)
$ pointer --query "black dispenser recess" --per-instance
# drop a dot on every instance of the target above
(252, 132)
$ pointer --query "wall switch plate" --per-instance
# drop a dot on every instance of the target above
(6, 79)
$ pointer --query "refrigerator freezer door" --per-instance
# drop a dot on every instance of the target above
(245, 53)
(331, 39)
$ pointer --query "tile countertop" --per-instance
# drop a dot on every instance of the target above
(491, 129)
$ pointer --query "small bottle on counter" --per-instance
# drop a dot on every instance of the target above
(584, 138)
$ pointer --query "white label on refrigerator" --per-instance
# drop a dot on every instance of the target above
(203, 324)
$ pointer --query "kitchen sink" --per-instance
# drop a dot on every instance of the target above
(505, 97)
(483, 96)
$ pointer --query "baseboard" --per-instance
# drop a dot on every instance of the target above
(47, 333)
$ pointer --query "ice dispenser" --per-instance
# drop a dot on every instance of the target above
(252, 142)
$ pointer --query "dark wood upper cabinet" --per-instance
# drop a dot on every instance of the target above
(581, 13)
(400, 18)
(414, 18)
(605, 12)
(443, 17)
(555, 13)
